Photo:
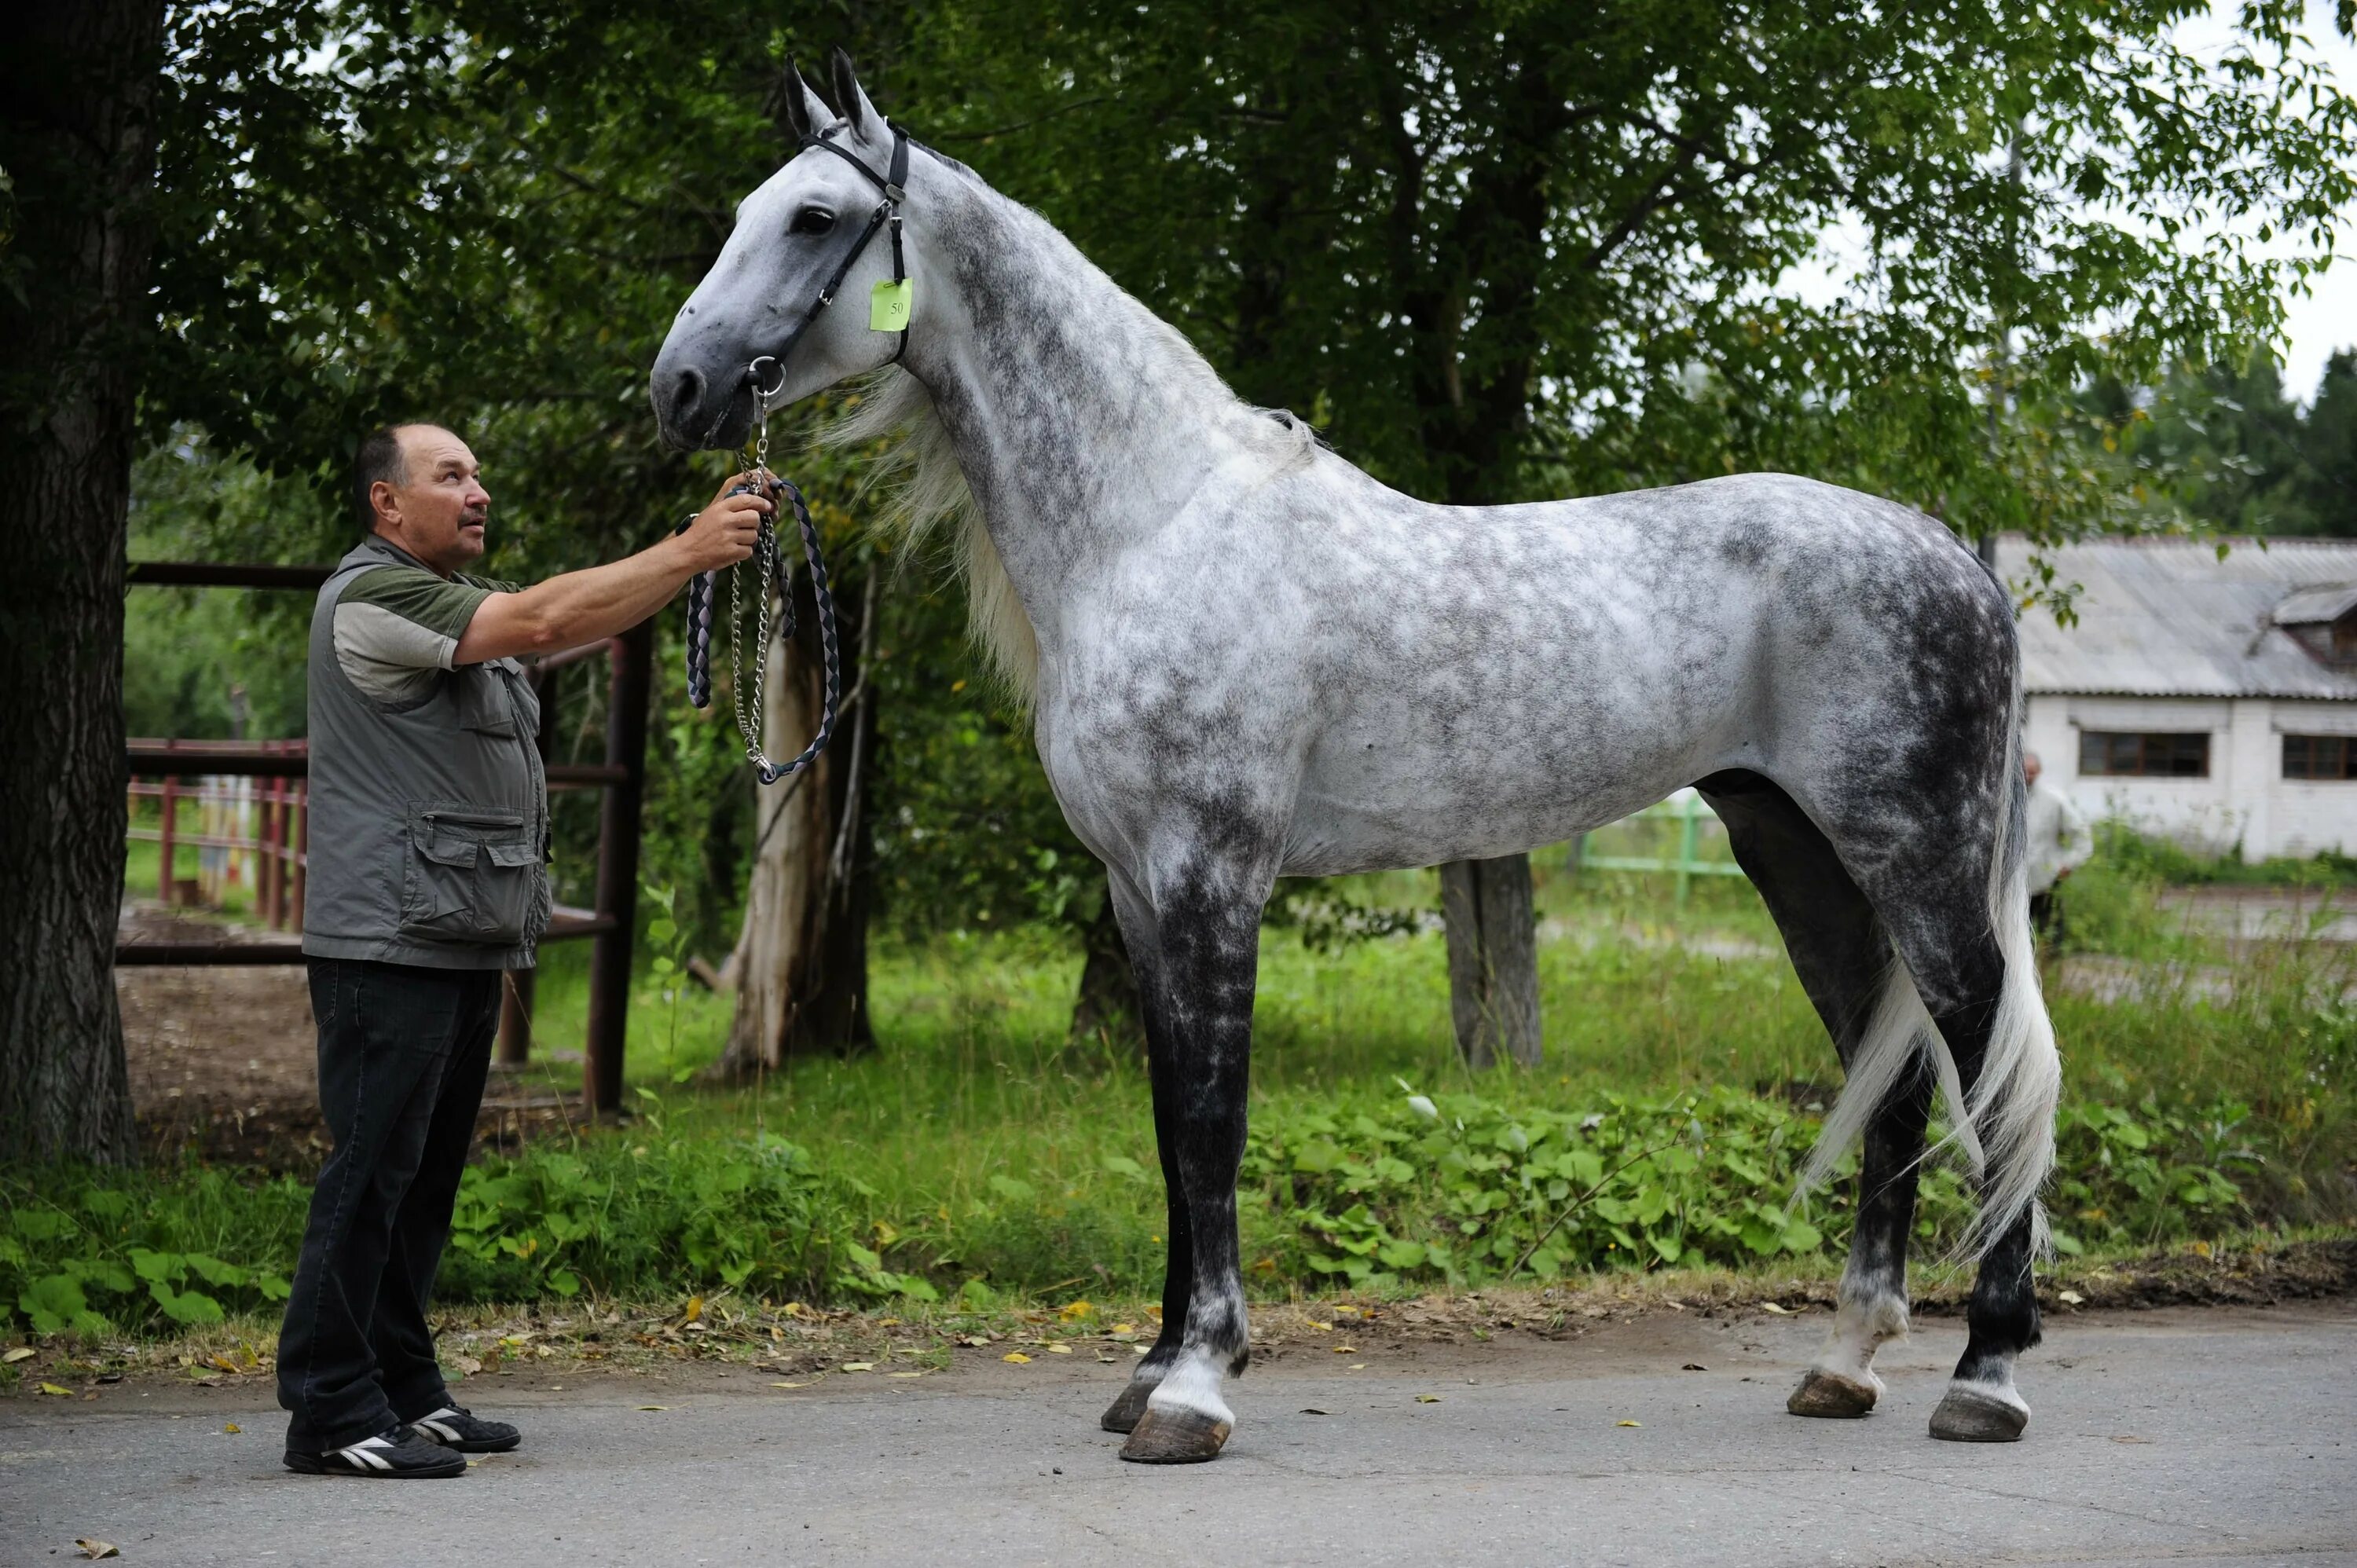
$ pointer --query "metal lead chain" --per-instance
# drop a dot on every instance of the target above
(774, 577)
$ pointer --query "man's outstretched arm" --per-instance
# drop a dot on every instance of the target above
(583, 606)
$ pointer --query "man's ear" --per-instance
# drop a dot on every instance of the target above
(804, 110)
(866, 123)
(382, 507)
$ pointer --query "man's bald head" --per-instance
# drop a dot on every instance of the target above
(383, 459)
(416, 486)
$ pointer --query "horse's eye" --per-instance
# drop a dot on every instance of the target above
(811, 221)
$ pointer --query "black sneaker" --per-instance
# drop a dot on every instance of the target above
(456, 1426)
(399, 1454)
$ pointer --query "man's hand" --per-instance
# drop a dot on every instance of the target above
(723, 532)
(582, 606)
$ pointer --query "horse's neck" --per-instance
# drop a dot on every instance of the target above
(1080, 419)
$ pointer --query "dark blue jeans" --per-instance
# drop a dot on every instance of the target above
(402, 1055)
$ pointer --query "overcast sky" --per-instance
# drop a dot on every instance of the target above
(2327, 319)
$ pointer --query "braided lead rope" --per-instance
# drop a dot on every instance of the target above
(699, 635)
(773, 572)
(829, 652)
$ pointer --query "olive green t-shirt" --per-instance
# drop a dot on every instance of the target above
(397, 624)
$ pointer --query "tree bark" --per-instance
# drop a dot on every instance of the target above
(77, 97)
(801, 965)
(1106, 1008)
(1493, 976)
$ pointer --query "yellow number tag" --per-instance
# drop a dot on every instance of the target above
(887, 307)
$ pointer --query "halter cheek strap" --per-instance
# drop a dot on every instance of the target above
(887, 212)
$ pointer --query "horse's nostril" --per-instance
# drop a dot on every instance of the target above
(687, 391)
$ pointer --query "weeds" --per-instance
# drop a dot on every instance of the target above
(980, 1156)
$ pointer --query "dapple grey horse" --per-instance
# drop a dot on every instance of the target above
(1247, 659)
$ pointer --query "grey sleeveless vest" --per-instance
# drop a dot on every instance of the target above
(429, 821)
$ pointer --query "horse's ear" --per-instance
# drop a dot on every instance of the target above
(805, 111)
(865, 121)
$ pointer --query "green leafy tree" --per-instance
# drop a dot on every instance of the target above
(2327, 445)
(1499, 252)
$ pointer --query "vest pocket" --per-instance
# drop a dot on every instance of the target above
(472, 877)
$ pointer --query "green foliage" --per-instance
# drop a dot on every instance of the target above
(1496, 250)
(2134, 1176)
(1356, 1189)
(2225, 450)
(1499, 251)
(1466, 1188)
(95, 1253)
(967, 833)
(2154, 858)
(650, 1210)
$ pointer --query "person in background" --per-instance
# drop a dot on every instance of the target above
(2059, 843)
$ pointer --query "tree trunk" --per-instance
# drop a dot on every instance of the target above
(801, 963)
(1106, 1009)
(77, 96)
(1494, 975)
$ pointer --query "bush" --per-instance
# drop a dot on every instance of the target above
(94, 1252)
(1356, 1190)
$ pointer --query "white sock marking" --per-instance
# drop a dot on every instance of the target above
(1860, 1328)
(1192, 1385)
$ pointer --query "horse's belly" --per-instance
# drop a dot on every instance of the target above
(1361, 808)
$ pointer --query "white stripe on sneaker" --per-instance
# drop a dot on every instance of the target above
(440, 1430)
(361, 1455)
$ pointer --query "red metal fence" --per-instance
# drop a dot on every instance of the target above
(162, 769)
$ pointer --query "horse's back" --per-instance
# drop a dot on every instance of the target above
(1538, 669)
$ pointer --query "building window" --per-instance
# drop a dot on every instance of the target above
(2110, 753)
(2319, 756)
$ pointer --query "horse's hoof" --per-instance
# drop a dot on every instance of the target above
(1125, 1413)
(1174, 1437)
(1968, 1415)
(1830, 1394)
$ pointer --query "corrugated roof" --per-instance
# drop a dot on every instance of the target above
(2166, 617)
(2313, 607)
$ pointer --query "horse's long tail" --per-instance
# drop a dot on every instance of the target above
(2006, 1125)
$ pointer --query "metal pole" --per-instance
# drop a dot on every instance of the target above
(1687, 809)
(269, 871)
(617, 868)
(302, 837)
(164, 856)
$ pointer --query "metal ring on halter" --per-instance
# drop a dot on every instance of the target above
(753, 379)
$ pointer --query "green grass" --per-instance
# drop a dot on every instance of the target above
(979, 1153)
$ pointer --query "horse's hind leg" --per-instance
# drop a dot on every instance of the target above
(1973, 966)
(1141, 935)
(1843, 957)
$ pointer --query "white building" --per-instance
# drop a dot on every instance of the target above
(2213, 701)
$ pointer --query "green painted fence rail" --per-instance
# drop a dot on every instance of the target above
(1688, 812)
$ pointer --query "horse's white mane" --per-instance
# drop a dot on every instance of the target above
(926, 493)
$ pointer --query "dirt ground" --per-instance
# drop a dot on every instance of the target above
(692, 1343)
(221, 1056)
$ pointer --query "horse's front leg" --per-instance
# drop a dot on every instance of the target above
(1142, 937)
(1203, 981)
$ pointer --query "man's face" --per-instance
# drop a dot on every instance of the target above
(2030, 769)
(439, 511)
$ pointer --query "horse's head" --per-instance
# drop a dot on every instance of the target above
(792, 236)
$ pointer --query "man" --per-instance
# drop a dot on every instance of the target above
(428, 838)
(2059, 843)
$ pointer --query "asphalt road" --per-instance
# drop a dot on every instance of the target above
(2184, 1436)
